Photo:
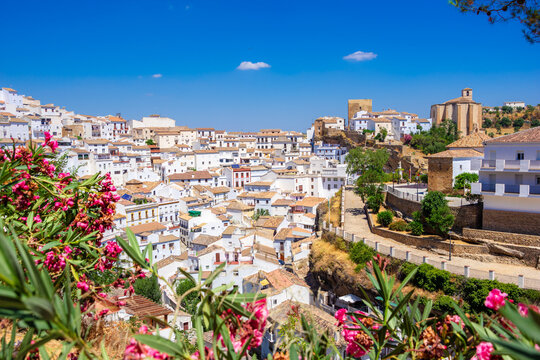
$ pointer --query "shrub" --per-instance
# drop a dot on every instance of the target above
(417, 228)
(407, 139)
(443, 304)
(436, 213)
(432, 279)
(385, 218)
(374, 202)
(335, 240)
(399, 225)
(406, 269)
(360, 254)
(474, 292)
(424, 178)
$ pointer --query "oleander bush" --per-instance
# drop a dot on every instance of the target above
(55, 267)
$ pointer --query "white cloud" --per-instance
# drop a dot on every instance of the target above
(248, 65)
(157, 76)
(360, 56)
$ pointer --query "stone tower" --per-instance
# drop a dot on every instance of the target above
(466, 93)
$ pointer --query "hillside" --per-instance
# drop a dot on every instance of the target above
(502, 121)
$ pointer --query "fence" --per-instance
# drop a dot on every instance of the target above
(417, 194)
(467, 271)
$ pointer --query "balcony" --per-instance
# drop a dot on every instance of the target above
(511, 165)
(520, 190)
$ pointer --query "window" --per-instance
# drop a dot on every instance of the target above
(235, 272)
(520, 155)
(538, 180)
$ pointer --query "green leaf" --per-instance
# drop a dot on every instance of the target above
(41, 307)
(293, 352)
(200, 338)
(214, 274)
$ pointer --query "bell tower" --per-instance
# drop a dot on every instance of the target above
(466, 93)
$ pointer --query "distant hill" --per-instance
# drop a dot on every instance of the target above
(498, 121)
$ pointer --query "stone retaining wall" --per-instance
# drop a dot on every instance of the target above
(511, 221)
(469, 216)
(429, 242)
(502, 237)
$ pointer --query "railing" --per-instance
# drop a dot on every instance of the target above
(488, 163)
(534, 189)
(511, 189)
(534, 165)
(409, 256)
(511, 164)
(488, 187)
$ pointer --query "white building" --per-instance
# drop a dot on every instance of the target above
(510, 183)
(515, 104)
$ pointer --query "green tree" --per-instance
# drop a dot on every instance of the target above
(464, 180)
(435, 139)
(360, 160)
(518, 123)
(436, 213)
(191, 299)
(525, 12)
(487, 123)
(507, 109)
(150, 142)
(381, 136)
(535, 123)
(369, 164)
(505, 122)
(149, 288)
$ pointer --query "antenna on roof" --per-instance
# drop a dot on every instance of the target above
(119, 115)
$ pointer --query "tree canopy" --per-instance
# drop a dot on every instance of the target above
(435, 139)
(524, 11)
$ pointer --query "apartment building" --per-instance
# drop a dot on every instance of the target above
(509, 181)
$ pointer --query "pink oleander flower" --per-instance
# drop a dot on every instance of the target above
(341, 316)
(523, 310)
(483, 351)
(456, 319)
(83, 285)
(135, 350)
(495, 300)
(37, 219)
(358, 341)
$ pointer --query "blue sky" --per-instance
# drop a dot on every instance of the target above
(99, 57)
